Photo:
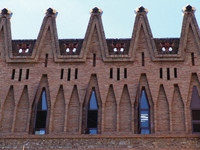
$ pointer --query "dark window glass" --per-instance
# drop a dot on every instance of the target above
(46, 60)
(92, 118)
(144, 114)
(196, 127)
(13, 74)
(125, 73)
(196, 115)
(94, 60)
(20, 74)
(41, 114)
(27, 74)
(161, 73)
(168, 74)
(69, 74)
(76, 73)
(61, 73)
(175, 72)
(118, 73)
(192, 57)
(142, 58)
(111, 73)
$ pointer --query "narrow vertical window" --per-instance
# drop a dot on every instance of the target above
(46, 60)
(61, 73)
(69, 74)
(118, 73)
(13, 74)
(161, 73)
(111, 73)
(144, 114)
(192, 57)
(41, 114)
(175, 72)
(92, 118)
(27, 74)
(125, 73)
(168, 74)
(142, 58)
(76, 73)
(94, 60)
(20, 74)
(195, 110)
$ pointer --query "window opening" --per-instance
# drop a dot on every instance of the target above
(192, 56)
(69, 74)
(46, 60)
(41, 114)
(161, 73)
(61, 73)
(92, 117)
(94, 60)
(20, 74)
(144, 114)
(13, 74)
(111, 73)
(27, 74)
(195, 110)
(118, 73)
(168, 74)
(76, 73)
(175, 72)
(125, 73)
(142, 58)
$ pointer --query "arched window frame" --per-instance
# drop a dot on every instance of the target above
(195, 111)
(42, 102)
(140, 109)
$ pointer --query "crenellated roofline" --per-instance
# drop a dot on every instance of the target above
(112, 50)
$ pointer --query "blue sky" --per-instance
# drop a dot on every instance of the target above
(165, 16)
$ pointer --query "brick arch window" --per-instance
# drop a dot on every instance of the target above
(41, 114)
(144, 114)
(92, 114)
(195, 110)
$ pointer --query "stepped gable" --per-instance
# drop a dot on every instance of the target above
(167, 45)
(23, 47)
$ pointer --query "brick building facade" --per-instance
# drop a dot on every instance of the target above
(98, 93)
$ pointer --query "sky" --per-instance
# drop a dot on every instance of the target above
(165, 16)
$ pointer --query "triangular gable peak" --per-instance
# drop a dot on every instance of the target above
(95, 25)
(48, 28)
(5, 34)
(141, 23)
(189, 24)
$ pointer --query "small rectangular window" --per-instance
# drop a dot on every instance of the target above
(161, 73)
(69, 74)
(168, 74)
(175, 72)
(46, 60)
(27, 74)
(13, 74)
(61, 73)
(76, 73)
(118, 73)
(20, 74)
(192, 56)
(142, 58)
(111, 73)
(94, 60)
(125, 73)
